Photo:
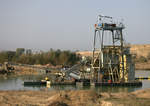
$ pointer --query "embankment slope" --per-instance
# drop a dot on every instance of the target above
(74, 98)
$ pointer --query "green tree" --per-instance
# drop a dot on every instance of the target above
(19, 51)
(63, 58)
(54, 57)
(28, 52)
(7, 56)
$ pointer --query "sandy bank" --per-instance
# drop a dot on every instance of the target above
(142, 66)
(74, 98)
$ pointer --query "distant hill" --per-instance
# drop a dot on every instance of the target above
(85, 53)
(139, 50)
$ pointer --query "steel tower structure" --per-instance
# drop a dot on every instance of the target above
(110, 63)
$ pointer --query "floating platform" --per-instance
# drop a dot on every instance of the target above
(40, 83)
(142, 78)
(135, 83)
(120, 84)
(64, 83)
(33, 83)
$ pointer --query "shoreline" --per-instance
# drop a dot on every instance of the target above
(74, 98)
(142, 66)
(142, 70)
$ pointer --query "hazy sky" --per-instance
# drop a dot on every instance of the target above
(67, 24)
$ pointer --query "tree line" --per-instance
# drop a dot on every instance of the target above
(53, 57)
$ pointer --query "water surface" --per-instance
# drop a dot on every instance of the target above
(16, 83)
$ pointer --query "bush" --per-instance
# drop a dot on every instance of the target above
(148, 56)
(142, 59)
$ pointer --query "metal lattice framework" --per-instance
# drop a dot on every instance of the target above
(109, 61)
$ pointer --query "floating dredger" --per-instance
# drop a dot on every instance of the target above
(112, 62)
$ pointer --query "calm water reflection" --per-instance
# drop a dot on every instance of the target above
(16, 83)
